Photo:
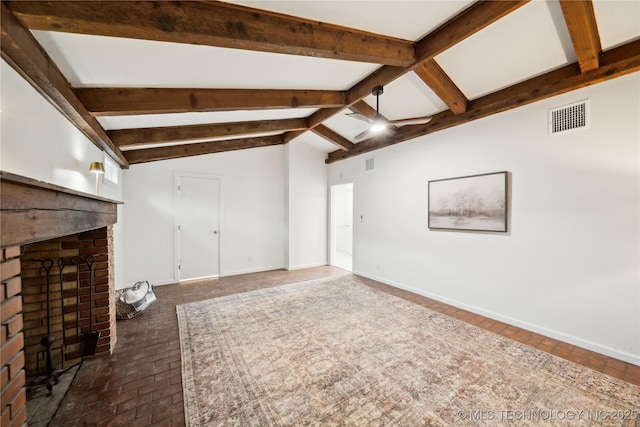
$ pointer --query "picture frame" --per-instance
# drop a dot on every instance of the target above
(469, 203)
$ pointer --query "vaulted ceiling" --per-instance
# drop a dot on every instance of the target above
(148, 81)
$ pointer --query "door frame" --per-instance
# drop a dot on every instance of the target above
(176, 217)
(332, 222)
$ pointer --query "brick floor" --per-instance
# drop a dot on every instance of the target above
(141, 383)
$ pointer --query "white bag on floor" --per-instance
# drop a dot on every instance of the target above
(138, 297)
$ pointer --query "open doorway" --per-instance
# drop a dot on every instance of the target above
(341, 248)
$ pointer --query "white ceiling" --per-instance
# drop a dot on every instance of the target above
(528, 42)
(525, 44)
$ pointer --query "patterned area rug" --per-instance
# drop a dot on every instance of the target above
(336, 352)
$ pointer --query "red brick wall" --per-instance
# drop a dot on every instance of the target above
(96, 243)
(112, 290)
(13, 411)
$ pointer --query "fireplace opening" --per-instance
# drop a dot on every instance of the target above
(67, 290)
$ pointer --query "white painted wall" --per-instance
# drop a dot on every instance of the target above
(569, 266)
(306, 205)
(38, 142)
(252, 217)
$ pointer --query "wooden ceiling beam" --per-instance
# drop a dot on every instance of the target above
(321, 115)
(290, 136)
(333, 137)
(471, 20)
(132, 101)
(581, 23)
(155, 135)
(363, 108)
(618, 62)
(615, 63)
(21, 50)
(381, 77)
(434, 77)
(467, 23)
(196, 149)
(214, 24)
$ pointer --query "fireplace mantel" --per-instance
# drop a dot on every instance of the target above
(32, 211)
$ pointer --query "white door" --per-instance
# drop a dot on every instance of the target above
(342, 226)
(198, 227)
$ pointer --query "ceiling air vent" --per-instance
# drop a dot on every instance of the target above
(368, 165)
(569, 117)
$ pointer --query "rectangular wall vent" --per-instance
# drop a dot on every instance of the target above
(569, 117)
(368, 166)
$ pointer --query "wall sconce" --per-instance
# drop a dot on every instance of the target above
(98, 169)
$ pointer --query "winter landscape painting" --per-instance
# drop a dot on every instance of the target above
(477, 203)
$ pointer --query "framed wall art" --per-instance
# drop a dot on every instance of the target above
(473, 203)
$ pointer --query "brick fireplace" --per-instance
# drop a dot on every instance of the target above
(85, 261)
(41, 222)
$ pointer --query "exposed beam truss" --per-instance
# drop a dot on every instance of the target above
(214, 24)
(615, 63)
(141, 136)
(196, 149)
(333, 137)
(226, 25)
(363, 108)
(473, 19)
(132, 101)
(581, 22)
(183, 22)
(431, 73)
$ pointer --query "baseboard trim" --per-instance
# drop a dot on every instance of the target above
(152, 282)
(303, 266)
(235, 273)
(252, 270)
(586, 344)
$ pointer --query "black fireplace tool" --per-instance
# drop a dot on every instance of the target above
(61, 263)
(89, 343)
(48, 340)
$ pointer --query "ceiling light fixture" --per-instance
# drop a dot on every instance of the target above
(379, 124)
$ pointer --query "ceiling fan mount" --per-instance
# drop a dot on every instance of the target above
(378, 123)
